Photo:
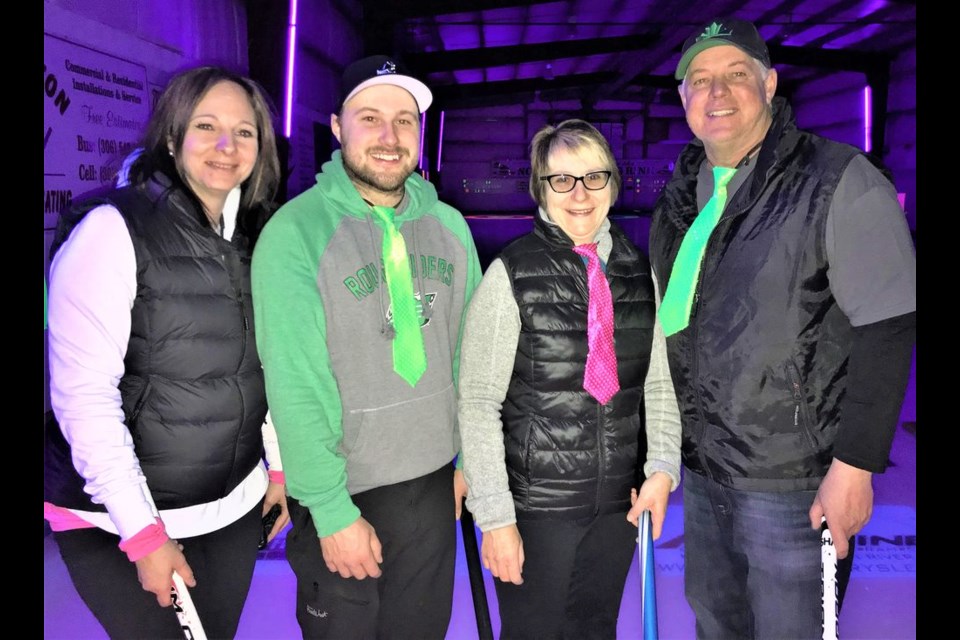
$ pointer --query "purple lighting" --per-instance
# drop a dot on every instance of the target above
(291, 55)
(440, 142)
(867, 118)
(423, 131)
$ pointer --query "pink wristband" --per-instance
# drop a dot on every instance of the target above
(145, 542)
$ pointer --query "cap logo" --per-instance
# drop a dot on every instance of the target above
(387, 68)
(713, 31)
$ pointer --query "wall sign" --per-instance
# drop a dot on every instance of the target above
(95, 107)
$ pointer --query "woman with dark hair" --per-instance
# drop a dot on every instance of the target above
(155, 381)
(561, 354)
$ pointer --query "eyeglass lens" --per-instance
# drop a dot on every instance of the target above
(563, 183)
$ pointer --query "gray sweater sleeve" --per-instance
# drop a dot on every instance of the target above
(662, 411)
(487, 351)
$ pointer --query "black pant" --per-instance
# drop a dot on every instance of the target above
(222, 563)
(573, 577)
(413, 597)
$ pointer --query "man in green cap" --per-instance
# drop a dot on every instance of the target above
(790, 315)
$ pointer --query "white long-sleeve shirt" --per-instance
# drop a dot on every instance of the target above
(92, 289)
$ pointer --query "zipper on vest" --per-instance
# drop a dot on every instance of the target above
(246, 328)
(725, 217)
(243, 339)
(695, 337)
(234, 269)
(695, 307)
(695, 380)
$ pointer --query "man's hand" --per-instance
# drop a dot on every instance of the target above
(459, 490)
(502, 553)
(845, 497)
(155, 571)
(353, 552)
(654, 494)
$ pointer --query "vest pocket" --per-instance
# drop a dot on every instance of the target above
(134, 414)
(801, 411)
(528, 436)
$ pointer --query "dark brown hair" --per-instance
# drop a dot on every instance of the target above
(168, 126)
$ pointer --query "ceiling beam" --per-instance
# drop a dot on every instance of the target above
(878, 16)
(396, 11)
(439, 61)
(647, 80)
(460, 94)
(832, 59)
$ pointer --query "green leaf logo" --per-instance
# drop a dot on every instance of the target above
(713, 31)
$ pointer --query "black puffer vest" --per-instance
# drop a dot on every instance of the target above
(760, 371)
(193, 392)
(568, 456)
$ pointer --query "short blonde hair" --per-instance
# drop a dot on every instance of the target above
(574, 135)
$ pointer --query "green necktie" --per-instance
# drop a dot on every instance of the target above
(409, 356)
(678, 298)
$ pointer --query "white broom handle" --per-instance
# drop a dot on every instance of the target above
(828, 571)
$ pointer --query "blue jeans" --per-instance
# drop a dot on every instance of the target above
(751, 562)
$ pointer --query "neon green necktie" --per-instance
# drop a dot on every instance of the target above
(409, 356)
(678, 298)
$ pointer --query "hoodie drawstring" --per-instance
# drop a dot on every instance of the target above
(386, 329)
(426, 309)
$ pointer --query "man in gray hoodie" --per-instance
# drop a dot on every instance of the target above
(368, 448)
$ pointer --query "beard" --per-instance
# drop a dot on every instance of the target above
(382, 182)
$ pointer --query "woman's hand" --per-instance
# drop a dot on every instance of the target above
(155, 571)
(653, 496)
(502, 553)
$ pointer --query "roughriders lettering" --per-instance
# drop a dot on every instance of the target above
(434, 268)
(367, 278)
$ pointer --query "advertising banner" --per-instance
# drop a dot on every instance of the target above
(94, 110)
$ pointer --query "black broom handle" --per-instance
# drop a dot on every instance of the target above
(475, 569)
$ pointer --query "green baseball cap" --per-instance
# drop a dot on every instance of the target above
(739, 33)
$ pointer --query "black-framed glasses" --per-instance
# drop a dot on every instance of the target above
(594, 181)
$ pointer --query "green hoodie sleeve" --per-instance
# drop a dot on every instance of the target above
(302, 391)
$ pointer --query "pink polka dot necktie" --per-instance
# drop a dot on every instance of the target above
(409, 356)
(600, 379)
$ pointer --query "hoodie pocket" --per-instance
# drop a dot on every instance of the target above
(352, 428)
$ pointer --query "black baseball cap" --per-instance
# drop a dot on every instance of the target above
(739, 33)
(374, 70)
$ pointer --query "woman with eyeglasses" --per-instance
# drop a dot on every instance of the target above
(561, 349)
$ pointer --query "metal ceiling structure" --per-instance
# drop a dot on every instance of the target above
(489, 52)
